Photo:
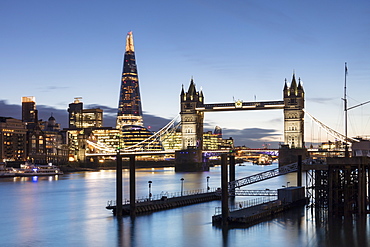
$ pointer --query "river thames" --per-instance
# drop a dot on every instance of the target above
(69, 210)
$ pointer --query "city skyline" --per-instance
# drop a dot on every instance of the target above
(59, 51)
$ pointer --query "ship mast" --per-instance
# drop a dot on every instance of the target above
(345, 110)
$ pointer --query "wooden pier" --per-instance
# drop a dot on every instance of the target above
(166, 203)
(287, 198)
(252, 215)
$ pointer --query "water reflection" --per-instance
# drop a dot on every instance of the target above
(69, 210)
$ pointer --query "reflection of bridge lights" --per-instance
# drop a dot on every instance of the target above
(35, 178)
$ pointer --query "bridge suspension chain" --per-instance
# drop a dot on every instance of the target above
(168, 128)
(166, 131)
(332, 132)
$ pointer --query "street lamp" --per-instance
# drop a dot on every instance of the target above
(182, 185)
(150, 189)
(208, 183)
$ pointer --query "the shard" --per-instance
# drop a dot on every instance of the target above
(129, 106)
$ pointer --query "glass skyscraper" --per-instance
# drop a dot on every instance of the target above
(129, 106)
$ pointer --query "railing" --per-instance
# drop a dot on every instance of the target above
(246, 204)
(164, 195)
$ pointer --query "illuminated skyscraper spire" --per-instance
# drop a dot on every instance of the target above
(129, 106)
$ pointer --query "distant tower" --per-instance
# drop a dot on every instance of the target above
(129, 106)
(191, 119)
(28, 109)
(75, 113)
(294, 114)
(218, 131)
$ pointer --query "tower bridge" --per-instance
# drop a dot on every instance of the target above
(193, 108)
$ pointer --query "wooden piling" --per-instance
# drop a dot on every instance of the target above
(232, 171)
(224, 189)
(132, 186)
(119, 185)
(299, 172)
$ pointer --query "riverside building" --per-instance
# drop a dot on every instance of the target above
(13, 134)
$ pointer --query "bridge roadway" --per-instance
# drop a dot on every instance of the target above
(142, 153)
(239, 105)
(172, 151)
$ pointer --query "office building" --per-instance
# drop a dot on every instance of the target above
(12, 139)
(28, 109)
(84, 118)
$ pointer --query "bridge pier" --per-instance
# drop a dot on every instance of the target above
(190, 160)
(290, 155)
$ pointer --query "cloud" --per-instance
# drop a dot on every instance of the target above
(320, 100)
(253, 137)
(51, 88)
(7, 110)
(250, 137)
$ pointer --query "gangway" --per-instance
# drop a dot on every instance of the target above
(263, 176)
(254, 193)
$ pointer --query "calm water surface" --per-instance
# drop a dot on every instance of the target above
(69, 210)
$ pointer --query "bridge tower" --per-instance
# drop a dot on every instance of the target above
(191, 119)
(190, 157)
(294, 114)
(293, 124)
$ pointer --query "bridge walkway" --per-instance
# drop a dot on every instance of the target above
(263, 176)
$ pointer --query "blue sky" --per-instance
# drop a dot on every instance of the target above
(238, 49)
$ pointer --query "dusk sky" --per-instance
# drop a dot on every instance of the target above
(237, 49)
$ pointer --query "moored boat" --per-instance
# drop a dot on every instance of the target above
(7, 172)
(37, 170)
(264, 159)
(30, 170)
